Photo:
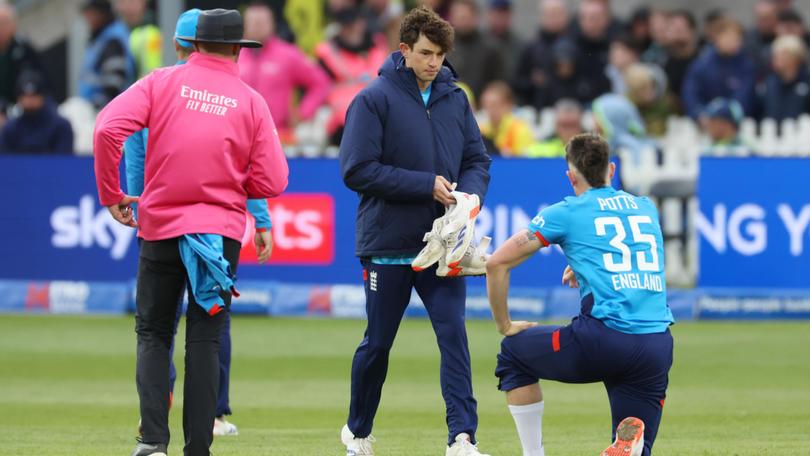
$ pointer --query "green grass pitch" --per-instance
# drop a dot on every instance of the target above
(68, 389)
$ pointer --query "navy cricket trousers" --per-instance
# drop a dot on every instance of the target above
(388, 292)
(633, 367)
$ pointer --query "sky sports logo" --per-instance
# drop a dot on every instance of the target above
(89, 226)
(303, 230)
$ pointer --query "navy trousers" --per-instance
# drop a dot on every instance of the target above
(388, 292)
(633, 367)
(223, 401)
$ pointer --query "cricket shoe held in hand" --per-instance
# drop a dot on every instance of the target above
(463, 447)
(433, 250)
(629, 439)
(354, 446)
(459, 225)
(473, 263)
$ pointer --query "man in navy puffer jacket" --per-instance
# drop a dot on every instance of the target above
(409, 135)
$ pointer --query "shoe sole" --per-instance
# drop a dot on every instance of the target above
(629, 439)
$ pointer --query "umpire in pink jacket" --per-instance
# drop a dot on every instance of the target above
(212, 146)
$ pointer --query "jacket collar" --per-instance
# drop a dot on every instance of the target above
(214, 62)
(395, 68)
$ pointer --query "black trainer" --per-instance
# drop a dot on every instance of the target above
(150, 449)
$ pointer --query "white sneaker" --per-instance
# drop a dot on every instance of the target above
(433, 250)
(463, 447)
(473, 263)
(223, 427)
(356, 447)
(457, 232)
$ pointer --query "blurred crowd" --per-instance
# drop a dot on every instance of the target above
(658, 62)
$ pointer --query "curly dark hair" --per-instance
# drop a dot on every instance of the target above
(590, 155)
(423, 21)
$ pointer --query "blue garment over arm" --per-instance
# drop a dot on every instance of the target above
(209, 273)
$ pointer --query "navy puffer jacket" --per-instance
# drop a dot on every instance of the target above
(393, 148)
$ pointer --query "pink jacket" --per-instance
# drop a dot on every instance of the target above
(276, 70)
(212, 145)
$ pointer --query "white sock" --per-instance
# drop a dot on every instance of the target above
(529, 423)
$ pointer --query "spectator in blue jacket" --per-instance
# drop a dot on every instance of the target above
(40, 129)
(410, 134)
(723, 69)
(785, 92)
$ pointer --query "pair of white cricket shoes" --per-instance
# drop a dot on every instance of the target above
(363, 447)
(450, 242)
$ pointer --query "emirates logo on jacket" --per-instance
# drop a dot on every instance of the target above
(207, 102)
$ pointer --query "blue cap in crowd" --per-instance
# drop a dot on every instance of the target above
(500, 4)
(30, 83)
(725, 108)
(186, 26)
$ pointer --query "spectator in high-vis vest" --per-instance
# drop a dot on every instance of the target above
(145, 42)
(503, 133)
(278, 69)
(108, 68)
(352, 59)
(567, 124)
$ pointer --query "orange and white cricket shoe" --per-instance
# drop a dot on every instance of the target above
(473, 263)
(457, 232)
(434, 249)
(629, 439)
